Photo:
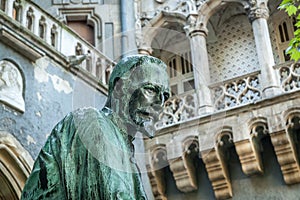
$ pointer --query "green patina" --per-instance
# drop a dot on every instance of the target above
(89, 153)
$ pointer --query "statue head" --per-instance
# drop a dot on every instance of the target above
(138, 88)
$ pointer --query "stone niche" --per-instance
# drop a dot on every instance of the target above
(11, 86)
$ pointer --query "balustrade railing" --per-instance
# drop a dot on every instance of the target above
(58, 35)
(289, 74)
(239, 91)
(178, 109)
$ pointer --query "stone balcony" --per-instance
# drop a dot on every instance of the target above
(34, 33)
(242, 117)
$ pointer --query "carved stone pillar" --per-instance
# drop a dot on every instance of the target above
(9, 8)
(258, 15)
(216, 167)
(183, 168)
(197, 34)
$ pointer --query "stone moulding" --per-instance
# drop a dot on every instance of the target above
(15, 166)
(20, 44)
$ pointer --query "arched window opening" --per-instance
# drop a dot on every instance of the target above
(83, 27)
(42, 28)
(284, 27)
(29, 19)
(180, 70)
(286, 34)
(281, 33)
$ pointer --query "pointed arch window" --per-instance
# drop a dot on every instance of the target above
(180, 70)
(284, 28)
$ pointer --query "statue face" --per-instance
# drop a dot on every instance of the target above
(148, 89)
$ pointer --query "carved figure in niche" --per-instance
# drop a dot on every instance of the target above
(11, 86)
(89, 154)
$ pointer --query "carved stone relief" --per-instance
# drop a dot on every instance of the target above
(11, 86)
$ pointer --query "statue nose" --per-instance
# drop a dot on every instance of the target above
(159, 102)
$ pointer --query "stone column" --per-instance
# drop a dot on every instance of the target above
(197, 35)
(258, 15)
(9, 8)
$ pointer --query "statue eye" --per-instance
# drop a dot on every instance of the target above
(166, 95)
(150, 90)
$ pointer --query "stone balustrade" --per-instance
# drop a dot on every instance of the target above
(51, 32)
(178, 109)
(289, 74)
(212, 136)
(238, 91)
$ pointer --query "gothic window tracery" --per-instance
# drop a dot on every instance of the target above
(284, 29)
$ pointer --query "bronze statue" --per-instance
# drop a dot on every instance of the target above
(89, 153)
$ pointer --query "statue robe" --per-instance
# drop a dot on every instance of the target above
(85, 157)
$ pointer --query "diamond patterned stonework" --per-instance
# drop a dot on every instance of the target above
(234, 52)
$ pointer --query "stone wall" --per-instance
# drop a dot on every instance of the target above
(50, 92)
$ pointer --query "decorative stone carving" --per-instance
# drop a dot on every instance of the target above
(249, 151)
(183, 168)
(178, 109)
(156, 172)
(11, 86)
(216, 167)
(290, 77)
(285, 152)
(236, 51)
(238, 92)
(257, 10)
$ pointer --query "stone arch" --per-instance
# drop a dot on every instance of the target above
(258, 126)
(233, 40)
(224, 136)
(15, 166)
(158, 24)
(210, 7)
(190, 143)
(11, 85)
